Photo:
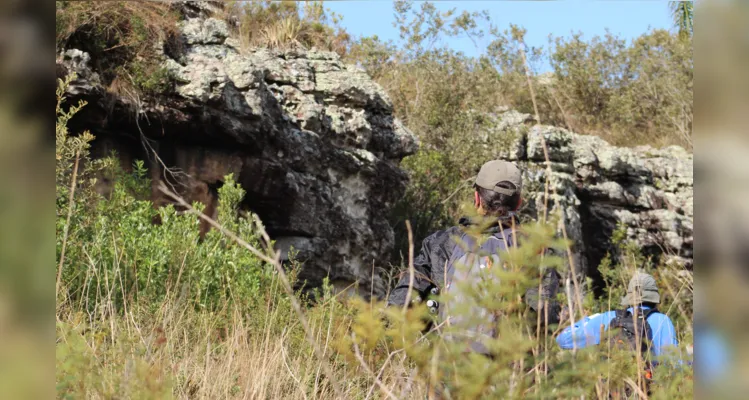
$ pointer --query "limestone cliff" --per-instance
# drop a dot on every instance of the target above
(315, 144)
(598, 186)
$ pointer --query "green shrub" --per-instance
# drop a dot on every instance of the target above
(637, 93)
(121, 250)
(113, 245)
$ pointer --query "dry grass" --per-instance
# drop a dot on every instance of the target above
(281, 34)
(157, 350)
(122, 39)
(261, 348)
(123, 22)
(178, 351)
(284, 25)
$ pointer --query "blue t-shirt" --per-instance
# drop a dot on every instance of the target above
(587, 331)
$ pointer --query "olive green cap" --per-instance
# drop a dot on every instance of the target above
(496, 171)
(641, 289)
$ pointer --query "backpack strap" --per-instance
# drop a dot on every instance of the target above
(623, 313)
(646, 313)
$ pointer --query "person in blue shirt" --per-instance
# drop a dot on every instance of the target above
(642, 292)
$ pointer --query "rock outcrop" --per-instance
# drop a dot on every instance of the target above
(313, 142)
(648, 191)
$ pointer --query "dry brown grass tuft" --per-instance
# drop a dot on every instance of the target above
(176, 351)
(122, 39)
(126, 23)
(281, 34)
(286, 24)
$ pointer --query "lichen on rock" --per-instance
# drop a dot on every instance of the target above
(598, 186)
(312, 141)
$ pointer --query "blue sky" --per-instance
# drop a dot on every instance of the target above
(626, 18)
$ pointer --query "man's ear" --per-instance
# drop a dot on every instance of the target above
(476, 199)
(520, 203)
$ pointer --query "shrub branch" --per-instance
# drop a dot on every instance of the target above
(276, 262)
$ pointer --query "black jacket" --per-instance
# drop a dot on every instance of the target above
(431, 261)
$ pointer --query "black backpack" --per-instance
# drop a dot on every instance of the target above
(633, 334)
(628, 332)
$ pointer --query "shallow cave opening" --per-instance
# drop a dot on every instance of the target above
(265, 192)
(599, 222)
(597, 229)
(203, 143)
(193, 152)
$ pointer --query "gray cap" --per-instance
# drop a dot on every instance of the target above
(496, 171)
(641, 289)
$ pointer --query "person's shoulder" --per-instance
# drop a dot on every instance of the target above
(443, 235)
(601, 317)
(658, 316)
(442, 232)
(610, 314)
(454, 229)
(604, 317)
(660, 322)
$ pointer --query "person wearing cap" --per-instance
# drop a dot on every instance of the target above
(642, 292)
(496, 198)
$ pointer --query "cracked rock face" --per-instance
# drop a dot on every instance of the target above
(312, 140)
(597, 186)
(315, 144)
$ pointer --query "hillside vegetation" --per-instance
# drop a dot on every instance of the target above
(155, 311)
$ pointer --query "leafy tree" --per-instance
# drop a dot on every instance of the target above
(628, 92)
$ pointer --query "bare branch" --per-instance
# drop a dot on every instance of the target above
(410, 266)
(276, 262)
